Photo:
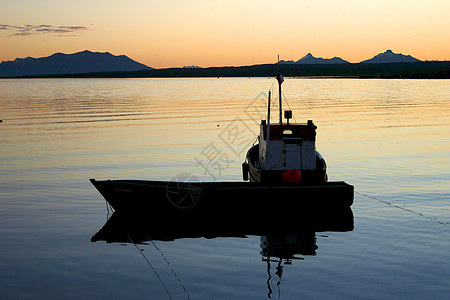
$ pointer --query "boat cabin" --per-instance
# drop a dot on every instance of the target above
(287, 146)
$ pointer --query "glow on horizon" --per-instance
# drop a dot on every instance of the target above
(176, 33)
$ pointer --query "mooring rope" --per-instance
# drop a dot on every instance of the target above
(436, 220)
(109, 210)
(153, 268)
(173, 271)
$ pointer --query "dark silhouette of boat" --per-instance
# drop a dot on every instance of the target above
(285, 171)
(220, 197)
(286, 152)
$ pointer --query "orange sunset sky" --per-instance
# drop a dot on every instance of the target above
(174, 33)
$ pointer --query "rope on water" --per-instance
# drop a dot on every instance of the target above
(153, 268)
(173, 271)
(405, 209)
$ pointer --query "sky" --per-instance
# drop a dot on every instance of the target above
(175, 33)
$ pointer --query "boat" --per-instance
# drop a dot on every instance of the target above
(218, 197)
(283, 170)
(286, 152)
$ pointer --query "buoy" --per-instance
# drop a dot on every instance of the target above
(292, 175)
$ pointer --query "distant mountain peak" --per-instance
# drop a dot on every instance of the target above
(309, 59)
(390, 57)
(24, 59)
(59, 63)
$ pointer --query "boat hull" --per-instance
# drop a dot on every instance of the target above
(221, 197)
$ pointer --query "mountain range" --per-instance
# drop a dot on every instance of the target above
(382, 58)
(76, 63)
(390, 57)
(309, 59)
(96, 62)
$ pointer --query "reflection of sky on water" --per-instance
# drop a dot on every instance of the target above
(389, 138)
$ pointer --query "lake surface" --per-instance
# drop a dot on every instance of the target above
(388, 138)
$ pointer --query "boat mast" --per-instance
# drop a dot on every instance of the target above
(280, 80)
(268, 122)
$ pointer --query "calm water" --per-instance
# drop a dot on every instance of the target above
(389, 138)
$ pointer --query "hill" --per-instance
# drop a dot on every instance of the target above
(390, 57)
(389, 70)
(76, 63)
(309, 59)
(88, 64)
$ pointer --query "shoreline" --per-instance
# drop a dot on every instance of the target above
(418, 70)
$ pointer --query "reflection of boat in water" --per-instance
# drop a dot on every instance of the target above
(121, 226)
(282, 239)
(285, 248)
